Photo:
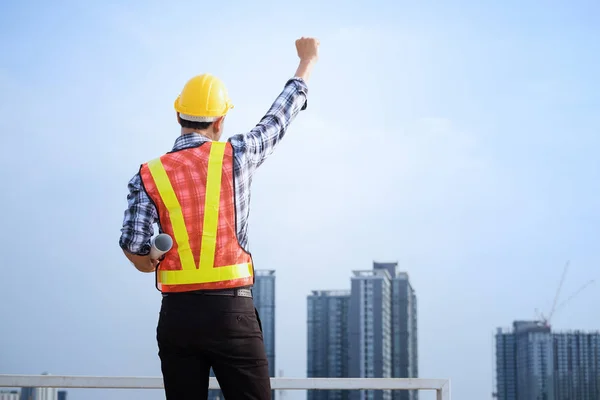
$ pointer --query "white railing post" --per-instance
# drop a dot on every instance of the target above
(443, 393)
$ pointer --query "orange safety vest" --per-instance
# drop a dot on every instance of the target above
(194, 194)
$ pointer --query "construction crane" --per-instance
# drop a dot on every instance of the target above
(546, 320)
(555, 306)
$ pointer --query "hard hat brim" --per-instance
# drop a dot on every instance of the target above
(181, 111)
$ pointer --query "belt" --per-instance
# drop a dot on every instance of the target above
(229, 292)
(225, 292)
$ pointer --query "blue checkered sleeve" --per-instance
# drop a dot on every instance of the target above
(139, 217)
(261, 141)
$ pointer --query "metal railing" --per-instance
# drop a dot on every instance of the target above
(441, 386)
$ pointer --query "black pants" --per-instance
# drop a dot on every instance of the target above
(196, 332)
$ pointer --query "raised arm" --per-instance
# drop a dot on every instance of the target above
(261, 141)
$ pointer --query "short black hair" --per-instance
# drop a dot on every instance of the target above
(200, 126)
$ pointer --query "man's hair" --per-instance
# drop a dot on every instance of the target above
(194, 124)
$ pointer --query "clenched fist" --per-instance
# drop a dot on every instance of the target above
(308, 49)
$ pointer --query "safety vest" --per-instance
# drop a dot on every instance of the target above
(194, 194)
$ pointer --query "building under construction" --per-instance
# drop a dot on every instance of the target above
(532, 362)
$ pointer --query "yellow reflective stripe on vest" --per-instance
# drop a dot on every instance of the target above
(216, 274)
(167, 194)
(211, 205)
(207, 272)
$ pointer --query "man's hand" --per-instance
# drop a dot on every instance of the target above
(148, 266)
(308, 51)
(142, 263)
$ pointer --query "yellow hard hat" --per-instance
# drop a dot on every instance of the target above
(204, 98)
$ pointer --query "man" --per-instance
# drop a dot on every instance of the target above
(199, 194)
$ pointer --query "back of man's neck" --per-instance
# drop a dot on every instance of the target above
(187, 131)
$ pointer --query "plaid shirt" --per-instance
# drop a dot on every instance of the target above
(250, 151)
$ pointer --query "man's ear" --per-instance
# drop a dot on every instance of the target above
(218, 125)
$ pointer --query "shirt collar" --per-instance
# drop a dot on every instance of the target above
(189, 140)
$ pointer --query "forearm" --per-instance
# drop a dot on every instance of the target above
(304, 69)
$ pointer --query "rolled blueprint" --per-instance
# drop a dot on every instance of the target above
(160, 245)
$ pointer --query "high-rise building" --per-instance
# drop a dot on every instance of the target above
(264, 301)
(405, 358)
(524, 362)
(38, 393)
(327, 340)
(576, 365)
(381, 327)
(369, 325)
(532, 362)
(263, 293)
(27, 393)
(9, 395)
(506, 366)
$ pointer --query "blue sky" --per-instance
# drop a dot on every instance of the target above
(458, 138)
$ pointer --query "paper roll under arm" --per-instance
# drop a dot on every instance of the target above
(160, 245)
